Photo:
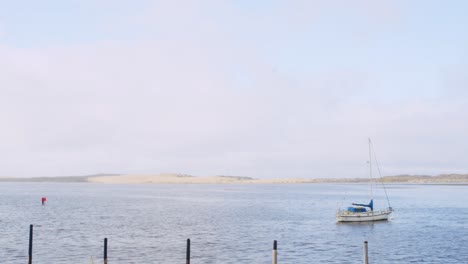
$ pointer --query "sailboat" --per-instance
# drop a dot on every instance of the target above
(365, 212)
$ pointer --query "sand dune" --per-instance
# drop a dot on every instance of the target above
(187, 179)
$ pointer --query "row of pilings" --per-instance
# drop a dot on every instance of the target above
(187, 256)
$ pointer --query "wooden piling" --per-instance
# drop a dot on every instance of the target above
(30, 244)
(275, 252)
(187, 257)
(105, 250)
(366, 258)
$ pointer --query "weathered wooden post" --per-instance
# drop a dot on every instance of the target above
(366, 259)
(187, 257)
(30, 244)
(275, 253)
(105, 250)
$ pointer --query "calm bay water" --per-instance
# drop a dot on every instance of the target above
(229, 223)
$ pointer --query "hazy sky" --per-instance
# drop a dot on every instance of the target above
(251, 88)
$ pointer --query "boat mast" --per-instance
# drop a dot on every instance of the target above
(370, 171)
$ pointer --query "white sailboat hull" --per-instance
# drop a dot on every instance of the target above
(347, 216)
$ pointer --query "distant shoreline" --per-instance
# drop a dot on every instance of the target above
(444, 179)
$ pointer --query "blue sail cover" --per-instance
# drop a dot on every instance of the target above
(357, 209)
(370, 205)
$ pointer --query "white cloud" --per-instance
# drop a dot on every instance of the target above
(200, 97)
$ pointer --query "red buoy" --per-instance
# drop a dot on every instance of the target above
(44, 199)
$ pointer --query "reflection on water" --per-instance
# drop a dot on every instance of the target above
(228, 223)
